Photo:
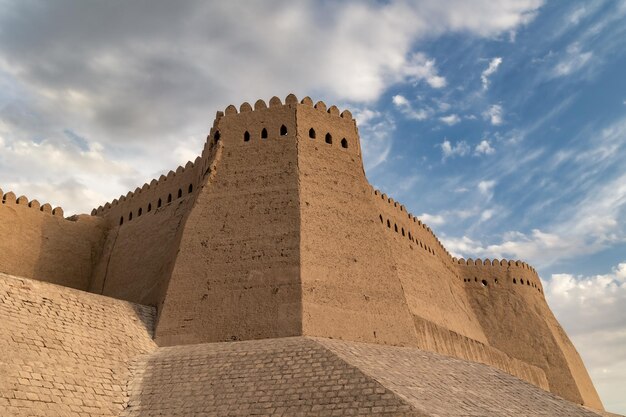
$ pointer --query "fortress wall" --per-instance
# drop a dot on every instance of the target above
(236, 275)
(40, 244)
(145, 227)
(66, 352)
(426, 271)
(518, 321)
(351, 289)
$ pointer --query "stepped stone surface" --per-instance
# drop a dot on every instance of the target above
(282, 377)
(65, 352)
(445, 386)
(323, 377)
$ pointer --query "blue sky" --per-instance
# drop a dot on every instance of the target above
(501, 124)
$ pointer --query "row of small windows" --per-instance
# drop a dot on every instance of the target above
(404, 233)
(521, 281)
(283, 132)
(159, 204)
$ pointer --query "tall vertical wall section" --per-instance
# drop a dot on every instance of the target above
(274, 231)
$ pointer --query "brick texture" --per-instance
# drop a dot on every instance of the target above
(446, 386)
(279, 377)
(65, 352)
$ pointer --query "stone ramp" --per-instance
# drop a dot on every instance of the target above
(303, 376)
(65, 352)
(279, 377)
(445, 386)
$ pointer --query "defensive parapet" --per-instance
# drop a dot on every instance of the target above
(46, 246)
(10, 199)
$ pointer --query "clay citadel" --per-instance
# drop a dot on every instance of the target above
(267, 277)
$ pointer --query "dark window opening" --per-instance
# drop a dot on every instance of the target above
(514, 281)
(216, 137)
(246, 136)
(180, 192)
(381, 218)
(527, 282)
(475, 279)
(344, 143)
(283, 130)
(496, 280)
(484, 282)
(121, 220)
(403, 232)
(190, 190)
(159, 203)
(329, 138)
(410, 237)
(169, 198)
(149, 207)
(140, 212)
(395, 226)
(312, 133)
(130, 216)
(264, 133)
(521, 281)
(388, 224)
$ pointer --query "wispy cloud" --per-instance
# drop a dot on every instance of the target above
(451, 119)
(406, 108)
(449, 150)
(490, 70)
(484, 148)
(485, 187)
(432, 219)
(574, 60)
(494, 114)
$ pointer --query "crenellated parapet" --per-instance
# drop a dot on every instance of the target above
(316, 123)
(499, 273)
(154, 195)
(290, 100)
(397, 219)
(10, 199)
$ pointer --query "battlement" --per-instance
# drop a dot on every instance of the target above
(400, 213)
(10, 199)
(152, 196)
(499, 272)
(290, 100)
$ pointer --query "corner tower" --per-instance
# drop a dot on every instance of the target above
(284, 236)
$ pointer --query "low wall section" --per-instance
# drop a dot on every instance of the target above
(40, 243)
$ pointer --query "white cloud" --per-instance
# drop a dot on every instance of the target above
(432, 219)
(486, 187)
(451, 119)
(486, 215)
(484, 147)
(574, 60)
(592, 311)
(490, 70)
(419, 68)
(407, 109)
(493, 114)
(459, 149)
